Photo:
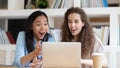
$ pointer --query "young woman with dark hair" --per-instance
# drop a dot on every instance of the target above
(28, 45)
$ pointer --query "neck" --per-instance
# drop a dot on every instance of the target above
(74, 39)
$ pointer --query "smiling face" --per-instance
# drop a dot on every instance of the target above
(40, 27)
(75, 23)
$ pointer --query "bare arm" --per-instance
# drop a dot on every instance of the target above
(30, 56)
(89, 62)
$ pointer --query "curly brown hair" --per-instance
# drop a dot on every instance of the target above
(86, 36)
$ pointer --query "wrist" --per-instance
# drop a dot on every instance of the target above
(34, 53)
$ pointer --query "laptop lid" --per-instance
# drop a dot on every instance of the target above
(61, 54)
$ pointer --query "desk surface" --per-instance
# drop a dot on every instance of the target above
(7, 66)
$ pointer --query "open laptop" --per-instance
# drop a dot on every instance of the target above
(61, 54)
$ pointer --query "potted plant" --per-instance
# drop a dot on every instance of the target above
(42, 3)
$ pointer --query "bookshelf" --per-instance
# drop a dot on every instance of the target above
(7, 53)
(112, 12)
(114, 3)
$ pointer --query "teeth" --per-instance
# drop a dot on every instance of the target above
(73, 30)
(41, 33)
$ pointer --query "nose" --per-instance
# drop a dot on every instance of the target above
(42, 27)
(72, 24)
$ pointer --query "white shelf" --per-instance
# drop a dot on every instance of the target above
(7, 53)
(99, 24)
(13, 14)
(113, 49)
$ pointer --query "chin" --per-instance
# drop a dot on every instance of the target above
(41, 37)
(74, 34)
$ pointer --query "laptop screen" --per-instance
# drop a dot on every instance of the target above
(61, 54)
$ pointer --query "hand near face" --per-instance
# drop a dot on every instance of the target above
(38, 49)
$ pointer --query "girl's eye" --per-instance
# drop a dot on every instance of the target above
(76, 21)
(38, 24)
(46, 24)
(69, 21)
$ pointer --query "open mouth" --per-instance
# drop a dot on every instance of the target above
(41, 33)
(73, 30)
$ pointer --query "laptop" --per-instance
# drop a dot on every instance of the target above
(61, 54)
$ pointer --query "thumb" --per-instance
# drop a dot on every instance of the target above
(35, 60)
(38, 44)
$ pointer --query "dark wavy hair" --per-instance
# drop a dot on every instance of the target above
(29, 32)
(86, 36)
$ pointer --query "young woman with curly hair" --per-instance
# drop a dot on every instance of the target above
(77, 29)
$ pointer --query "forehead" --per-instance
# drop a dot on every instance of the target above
(40, 17)
(74, 16)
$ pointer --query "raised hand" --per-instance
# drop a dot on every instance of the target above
(38, 49)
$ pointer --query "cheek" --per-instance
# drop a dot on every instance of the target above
(37, 29)
(34, 29)
(82, 24)
(46, 28)
(69, 25)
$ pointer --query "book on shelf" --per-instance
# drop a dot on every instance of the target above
(15, 4)
(28, 5)
(6, 37)
(57, 3)
(0, 36)
(50, 2)
(103, 33)
(106, 35)
(10, 37)
(53, 3)
(105, 3)
(94, 3)
(119, 35)
(84, 3)
(61, 3)
(68, 3)
(15, 26)
(98, 31)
